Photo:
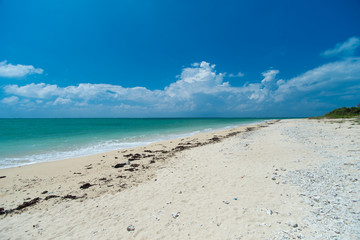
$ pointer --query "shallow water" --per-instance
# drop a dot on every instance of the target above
(26, 141)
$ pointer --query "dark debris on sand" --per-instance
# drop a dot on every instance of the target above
(154, 155)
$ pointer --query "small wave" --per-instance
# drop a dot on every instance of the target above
(105, 146)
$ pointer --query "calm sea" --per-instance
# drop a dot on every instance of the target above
(27, 141)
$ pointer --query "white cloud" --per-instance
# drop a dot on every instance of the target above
(10, 100)
(195, 80)
(61, 101)
(232, 75)
(199, 88)
(328, 77)
(269, 76)
(33, 90)
(9, 70)
(82, 92)
(346, 48)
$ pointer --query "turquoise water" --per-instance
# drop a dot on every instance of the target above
(27, 141)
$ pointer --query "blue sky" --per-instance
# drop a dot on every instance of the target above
(178, 58)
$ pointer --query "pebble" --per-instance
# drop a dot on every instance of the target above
(175, 215)
(316, 198)
(329, 187)
(130, 228)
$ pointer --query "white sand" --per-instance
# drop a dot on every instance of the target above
(232, 189)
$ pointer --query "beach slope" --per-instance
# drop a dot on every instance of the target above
(284, 179)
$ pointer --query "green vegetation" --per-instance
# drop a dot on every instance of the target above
(344, 112)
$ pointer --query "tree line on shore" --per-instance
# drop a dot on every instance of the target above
(344, 112)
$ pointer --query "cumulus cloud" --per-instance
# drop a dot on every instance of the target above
(200, 78)
(10, 100)
(33, 90)
(269, 76)
(199, 88)
(346, 48)
(61, 101)
(9, 70)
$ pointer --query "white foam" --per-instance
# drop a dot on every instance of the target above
(103, 146)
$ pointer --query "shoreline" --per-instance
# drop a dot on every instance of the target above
(132, 165)
(142, 141)
(293, 179)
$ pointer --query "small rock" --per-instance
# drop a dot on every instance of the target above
(269, 211)
(292, 224)
(175, 215)
(119, 165)
(226, 202)
(273, 178)
(130, 228)
(316, 198)
(85, 186)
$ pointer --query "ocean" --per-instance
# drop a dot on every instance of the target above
(28, 141)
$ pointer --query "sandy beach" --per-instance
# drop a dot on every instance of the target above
(287, 179)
